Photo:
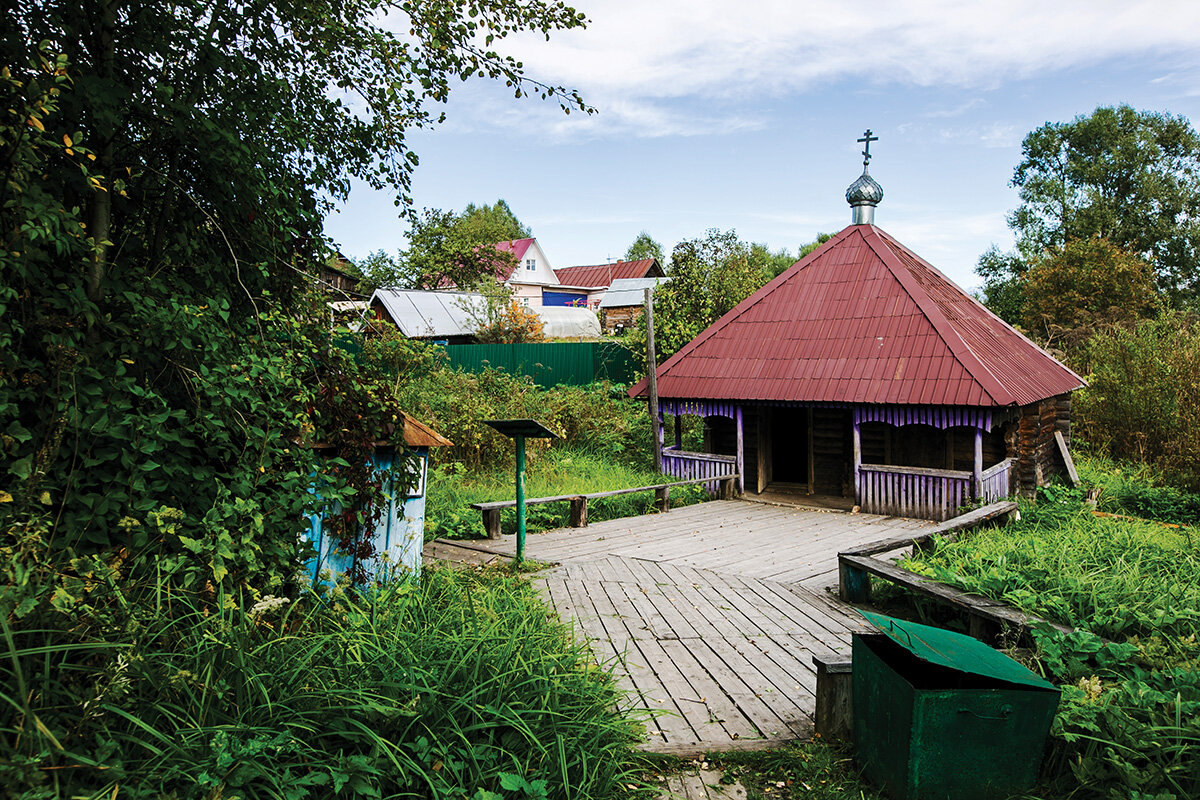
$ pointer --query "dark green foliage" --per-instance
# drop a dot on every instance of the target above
(709, 276)
(1130, 177)
(160, 371)
(821, 239)
(453, 686)
(1002, 288)
(490, 224)
(1143, 400)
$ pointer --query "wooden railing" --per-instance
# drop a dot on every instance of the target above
(997, 481)
(856, 566)
(935, 494)
(726, 483)
(693, 466)
(913, 491)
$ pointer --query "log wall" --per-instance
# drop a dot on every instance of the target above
(1031, 442)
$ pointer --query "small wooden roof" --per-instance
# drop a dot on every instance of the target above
(416, 434)
(863, 319)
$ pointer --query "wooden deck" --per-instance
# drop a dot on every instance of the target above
(711, 613)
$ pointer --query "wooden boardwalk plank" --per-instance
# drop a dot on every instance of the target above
(704, 615)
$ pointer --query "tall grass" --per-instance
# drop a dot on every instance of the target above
(1129, 721)
(558, 471)
(454, 686)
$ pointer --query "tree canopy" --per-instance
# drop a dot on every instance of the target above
(490, 224)
(448, 248)
(1074, 290)
(709, 276)
(644, 247)
(1130, 177)
(167, 170)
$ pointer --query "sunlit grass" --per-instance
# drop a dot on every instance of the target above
(558, 471)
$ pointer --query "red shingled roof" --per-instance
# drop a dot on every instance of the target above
(604, 274)
(863, 320)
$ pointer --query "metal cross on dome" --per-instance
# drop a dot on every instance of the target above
(867, 139)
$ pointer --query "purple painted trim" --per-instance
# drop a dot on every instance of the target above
(701, 408)
(741, 455)
(981, 417)
(685, 466)
(913, 492)
(937, 416)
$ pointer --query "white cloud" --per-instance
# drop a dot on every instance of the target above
(635, 57)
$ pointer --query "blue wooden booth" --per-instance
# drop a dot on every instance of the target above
(400, 532)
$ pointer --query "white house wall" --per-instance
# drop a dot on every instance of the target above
(527, 284)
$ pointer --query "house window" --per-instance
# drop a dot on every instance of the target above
(530, 264)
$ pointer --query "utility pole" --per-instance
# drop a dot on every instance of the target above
(652, 379)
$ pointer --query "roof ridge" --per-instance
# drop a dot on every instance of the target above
(746, 303)
(950, 336)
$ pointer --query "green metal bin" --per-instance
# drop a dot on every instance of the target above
(942, 716)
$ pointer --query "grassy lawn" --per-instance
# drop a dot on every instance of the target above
(556, 471)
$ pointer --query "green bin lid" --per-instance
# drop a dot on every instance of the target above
(954, 650)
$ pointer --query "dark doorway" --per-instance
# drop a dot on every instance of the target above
(789, 445)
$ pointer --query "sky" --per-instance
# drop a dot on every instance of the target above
(745, 115)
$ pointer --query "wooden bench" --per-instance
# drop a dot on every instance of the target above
(985, 616)
(579, 502)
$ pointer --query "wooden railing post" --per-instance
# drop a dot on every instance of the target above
(854, 585)
(579, 512)
(662, 498)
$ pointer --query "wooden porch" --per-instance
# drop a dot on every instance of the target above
(711, 613)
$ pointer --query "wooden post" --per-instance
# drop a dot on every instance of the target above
(834, 717)
(812, 455)
(741, 455)
(662, 498)
(491, 522)
(578, 512)
(678, 431)
(854, 584)
(856, 435)
(977, 478)
(652, 380)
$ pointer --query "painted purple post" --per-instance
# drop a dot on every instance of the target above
(678, 430)
(977, 478)
(741, 465)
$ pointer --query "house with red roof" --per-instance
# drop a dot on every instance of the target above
(531, 274)
(535, 283)
(862, 376)
(589, 284)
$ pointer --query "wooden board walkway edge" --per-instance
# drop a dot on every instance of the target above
(955, 525)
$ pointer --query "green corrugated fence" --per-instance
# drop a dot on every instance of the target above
(552, 363)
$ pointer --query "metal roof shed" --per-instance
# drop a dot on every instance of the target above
(450, 316)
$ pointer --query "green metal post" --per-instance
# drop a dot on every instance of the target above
(520, 498)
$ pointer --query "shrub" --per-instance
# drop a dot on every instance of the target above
(1143, 400)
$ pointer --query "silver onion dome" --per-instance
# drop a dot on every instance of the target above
(865, 193)
(864, 190)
